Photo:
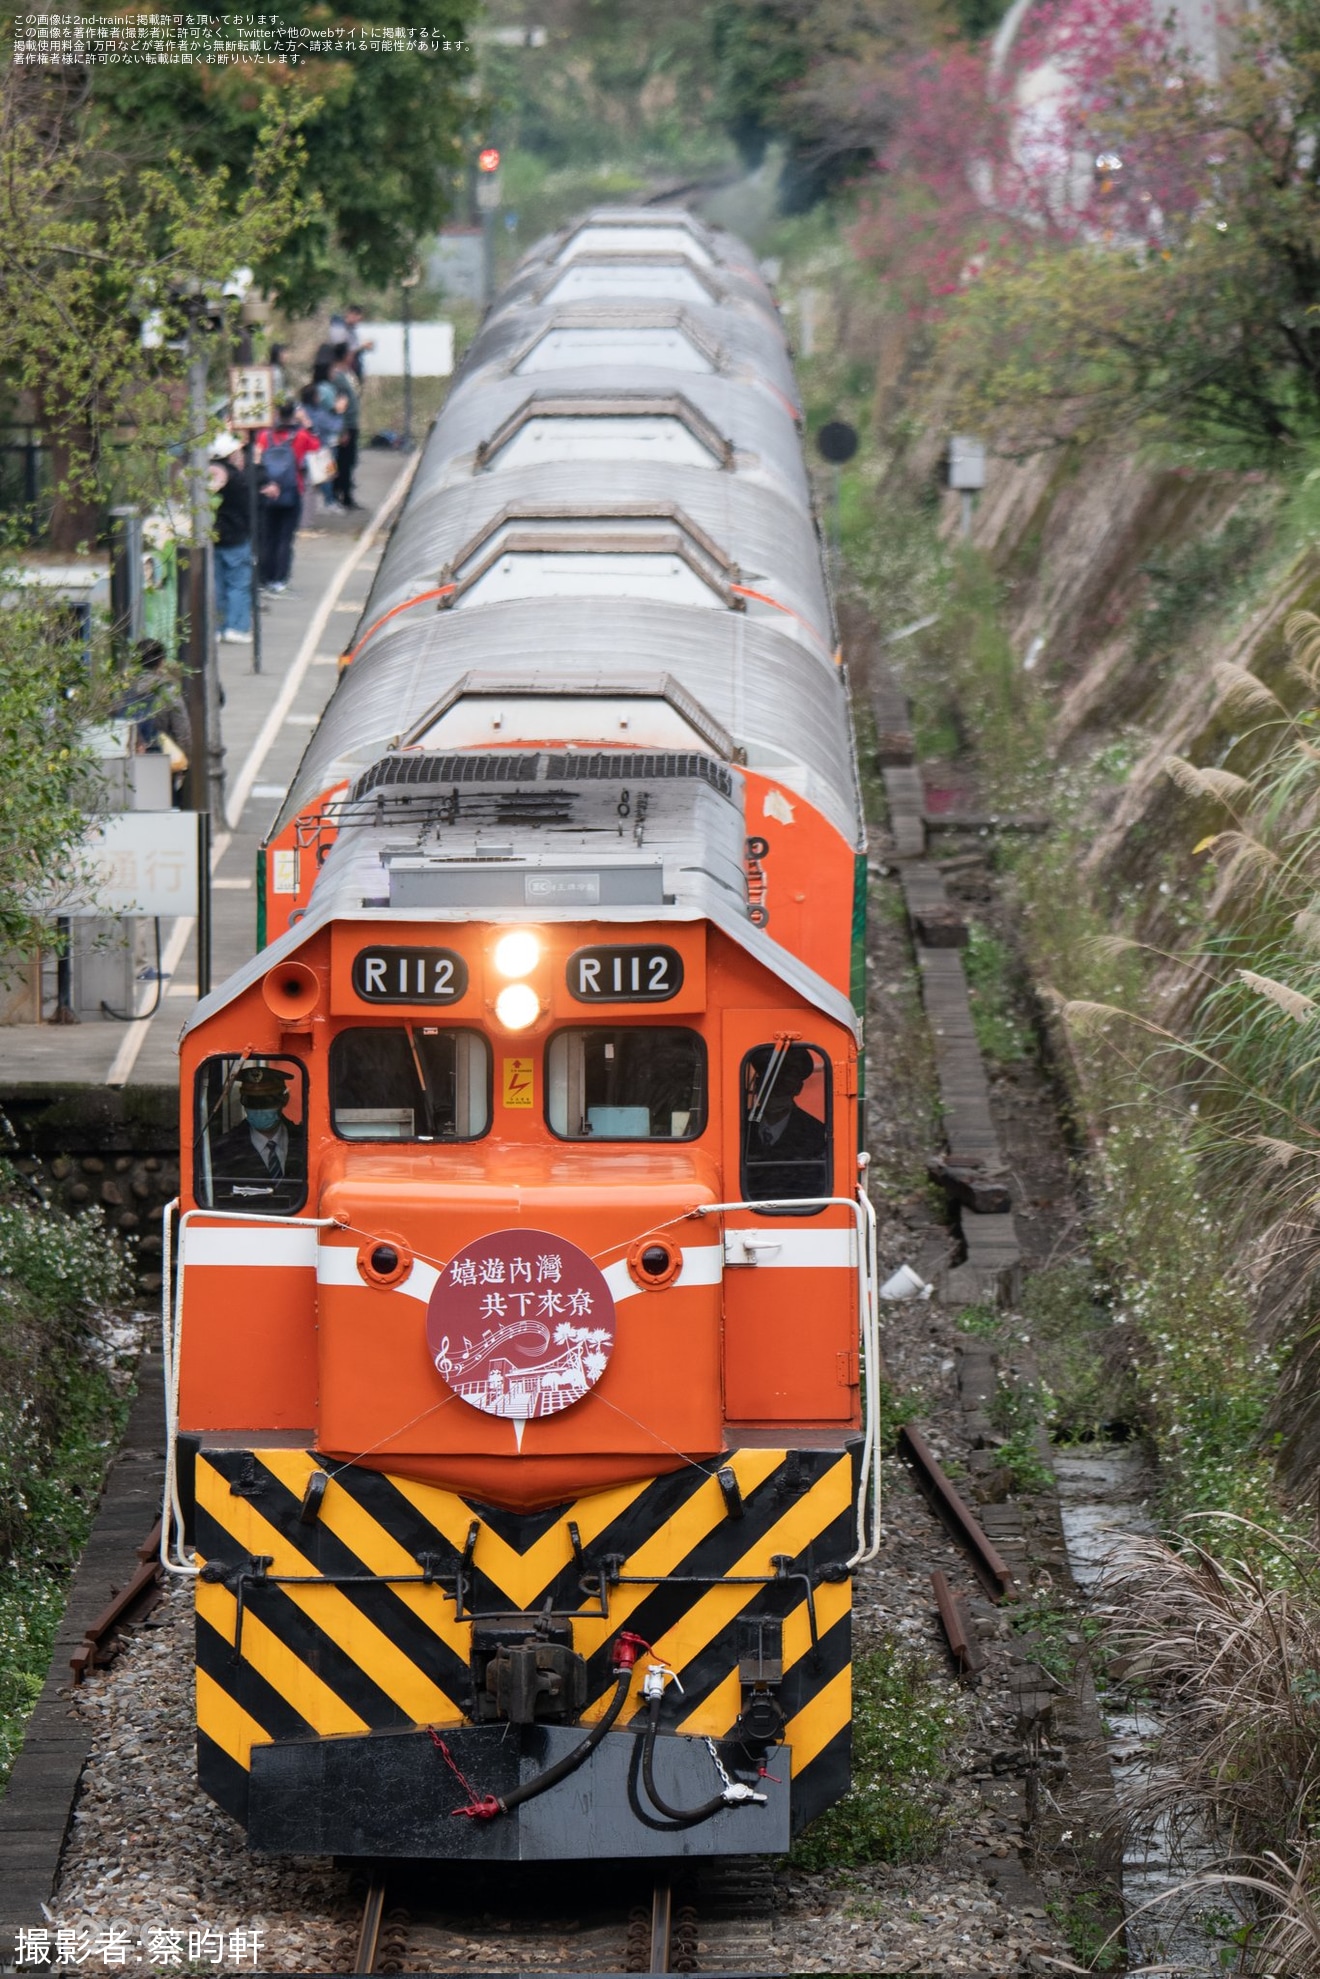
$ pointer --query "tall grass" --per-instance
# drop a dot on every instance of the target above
(1244, 1043)
(1232, 1652)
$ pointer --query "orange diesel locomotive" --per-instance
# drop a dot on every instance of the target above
(521, 1341)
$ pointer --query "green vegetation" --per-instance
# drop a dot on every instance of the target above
(1201, 576)
(1197, 327)
(1020, 1457)
(897, 1406)
(1088, 1920)
(92, 249)
(1017, 1411)
(985, 1322)
(1057, 1631)
(989, 982)
(1073, 1343)
(48, 695)
(904, 1721)
(362, 198)
(1161, 1329)
(62, 1409)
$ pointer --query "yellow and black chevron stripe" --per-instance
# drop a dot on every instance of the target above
(337, 1630)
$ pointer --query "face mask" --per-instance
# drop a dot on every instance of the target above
(263, 1118)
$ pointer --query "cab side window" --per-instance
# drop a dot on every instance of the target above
(250, 1135)
(787, 1149)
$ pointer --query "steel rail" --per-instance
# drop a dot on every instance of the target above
(662, 1924)
(956, 1514)
(373, 1914)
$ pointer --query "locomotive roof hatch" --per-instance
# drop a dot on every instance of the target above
(621, 228)
(546, 405)
(670, 717)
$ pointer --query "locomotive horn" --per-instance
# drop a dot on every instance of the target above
(291, 991)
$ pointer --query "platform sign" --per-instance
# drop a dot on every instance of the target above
(136, 862)
(251, 395)
(429, 351)
(520, 1324)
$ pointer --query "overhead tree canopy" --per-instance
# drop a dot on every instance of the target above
(1184, 296)
(382, 142)
(826, 78)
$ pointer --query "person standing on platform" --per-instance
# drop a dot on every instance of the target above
(325, 408)
(282, 451)
(233, 541)
(346, 328)
(345, 384)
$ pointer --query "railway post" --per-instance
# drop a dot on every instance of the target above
(967, 475)
(408, 283)
(252, 407)
(208, 786)
(488, 205)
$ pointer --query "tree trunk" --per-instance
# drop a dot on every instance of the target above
(76, 515)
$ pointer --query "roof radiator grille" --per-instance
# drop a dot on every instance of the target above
(502, 766)
(636, 765)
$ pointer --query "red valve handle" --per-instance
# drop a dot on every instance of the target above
(628, 1647)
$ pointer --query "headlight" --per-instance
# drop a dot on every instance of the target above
(517, 1006)
(517, 954)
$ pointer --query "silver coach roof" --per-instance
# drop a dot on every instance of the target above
(758, 427)
(788, 711)
(623, 225)
(633, 272)
(749, 348)
(771, 543)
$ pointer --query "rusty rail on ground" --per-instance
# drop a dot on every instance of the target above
(136, 1598)
(956, 1514)
(968, 1655)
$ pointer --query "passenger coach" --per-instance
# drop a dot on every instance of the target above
(522, 1336)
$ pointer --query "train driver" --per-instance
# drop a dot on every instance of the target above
(785, 1148)
(262, 1163)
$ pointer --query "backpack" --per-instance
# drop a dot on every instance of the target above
(279, 463)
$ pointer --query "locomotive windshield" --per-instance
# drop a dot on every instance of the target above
(409, 1082)
(626, 1083)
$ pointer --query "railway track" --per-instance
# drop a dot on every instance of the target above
(714, 1918)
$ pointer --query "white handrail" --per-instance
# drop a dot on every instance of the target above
(863, 1211)
(172, 1557)
(860, 1207)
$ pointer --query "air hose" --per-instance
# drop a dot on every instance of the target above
(489, 1805)
(686, 1814)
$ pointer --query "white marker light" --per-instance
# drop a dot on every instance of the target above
(517, 1006)
(517, 954)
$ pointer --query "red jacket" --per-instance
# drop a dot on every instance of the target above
(302, 440)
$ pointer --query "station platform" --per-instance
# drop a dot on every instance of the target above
(265, 726)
